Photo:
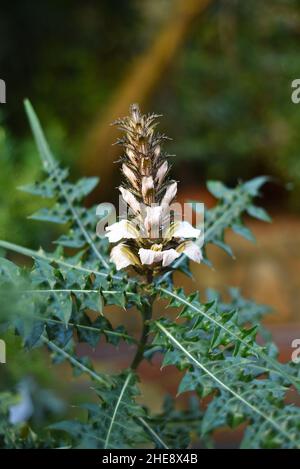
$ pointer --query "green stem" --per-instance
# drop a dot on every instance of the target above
(147, 315)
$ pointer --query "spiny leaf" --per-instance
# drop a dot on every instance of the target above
(44, 150)
(253, 186)
(218, 189)
(259, 213)
(83, 222)
(243, 231)
(115, 422)
(213, 320)
(232, 204)
(235, 389)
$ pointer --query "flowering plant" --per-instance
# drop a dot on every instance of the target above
(155, 240)
(234, 380)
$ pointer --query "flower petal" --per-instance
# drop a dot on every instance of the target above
(161, 172)
(131, 155)
(150, 256)
(191, 250)
(169, 255)
(156, 152)
(122, 256)
(130, 199)
(130, 176)
(152, 219)
(148, 189)
(184, 229)
(169, 194)
(120, 230)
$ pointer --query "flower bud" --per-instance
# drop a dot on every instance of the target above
(130, 200)
(169, 194)
(148, 189)
(156, 152)
(131, 155)
(161, 172)
(146, 166)
(135, 112)
(130, 176)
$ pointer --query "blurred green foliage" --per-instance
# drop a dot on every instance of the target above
(68, 57)
(19, 164)
(228, 97)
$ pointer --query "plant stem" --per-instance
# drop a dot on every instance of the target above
(147, 315)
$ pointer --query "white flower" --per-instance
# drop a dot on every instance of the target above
(153, 218)
(131, 155)
(122, 256)
(130, 175)
(22, 411)
(161, 172)
(184, 229)
(169, 194)
(147, 184)
(169, 255)
(130, 200)
(191, 250)
(151, 256)
(147, 188)
(120, 230)
(156, 152)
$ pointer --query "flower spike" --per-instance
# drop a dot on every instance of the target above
(151, 239)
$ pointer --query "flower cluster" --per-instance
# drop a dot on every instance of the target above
(151, 238)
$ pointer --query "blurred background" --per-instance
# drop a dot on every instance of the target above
(220, 73)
